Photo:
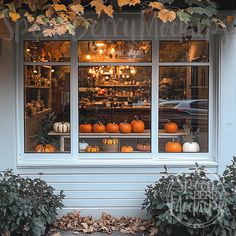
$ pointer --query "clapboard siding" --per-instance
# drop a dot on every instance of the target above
(117, 191)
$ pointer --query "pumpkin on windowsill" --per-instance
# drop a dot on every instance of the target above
(85, 128)
(137, 126)
(127, 149)
(46, 148)
(83, 146)
(93, 149)
(171, 127)
(146, 147)
(110, 145)
(99, 128)
(112, 128)
(125, 127)
(190, 145)
(173, 147)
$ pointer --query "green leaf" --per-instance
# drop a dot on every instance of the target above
(183, 16)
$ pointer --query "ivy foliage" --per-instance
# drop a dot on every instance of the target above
(193, 203)
(59, 17)
(27, 206)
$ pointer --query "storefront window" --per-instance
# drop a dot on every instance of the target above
(183, 103)
(47, 106)
(114, 83)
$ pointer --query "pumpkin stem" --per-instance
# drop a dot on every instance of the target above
(136, 117)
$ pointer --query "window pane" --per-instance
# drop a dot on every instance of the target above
(110, 97)
(183, 100)
(47, 101)
(115, 51)
(191, 51)
(47, 51)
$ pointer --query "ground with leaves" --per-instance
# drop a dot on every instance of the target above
(74, 224)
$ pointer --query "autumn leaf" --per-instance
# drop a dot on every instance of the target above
(39, 20)
(34, 27)
(166, 15)
(49, 12)
(122, 3)
(157, 5)
(100, 7)
(14, 16)
(77, 9)
(29, 17)
(59, 7)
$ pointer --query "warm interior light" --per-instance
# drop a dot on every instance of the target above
(27, 50)
(113, 50)
(100, 51)
(52, 70)
(88, 57)
(35, 72)
(100, 44)
(133, 71)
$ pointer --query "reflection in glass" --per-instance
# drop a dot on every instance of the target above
(190, 51)
(183, 99)
(47, 101)
(114, 94)
(47, 51)
(115, 51)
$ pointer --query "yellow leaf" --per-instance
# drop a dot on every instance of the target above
(157, 5)
(100, 7)
(77, 9)
(122, 3)
(59, 7)
(14, 16)
(29, 17)
(166, 15)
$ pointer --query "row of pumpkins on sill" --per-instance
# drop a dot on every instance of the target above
(111, 145)
(136, 126)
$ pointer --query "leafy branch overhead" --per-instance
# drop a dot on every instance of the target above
(57, 18)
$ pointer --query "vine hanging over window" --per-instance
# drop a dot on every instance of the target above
(57, 18)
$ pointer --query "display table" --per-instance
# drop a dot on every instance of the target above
(145, 134)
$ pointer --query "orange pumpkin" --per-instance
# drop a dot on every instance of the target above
(92, 149)
(85, 128)
(125, 127)
(137, 126)
(112, 128)
(171, 127)
(127, 149)
(45, 148)
(173, 147)
(99, 128)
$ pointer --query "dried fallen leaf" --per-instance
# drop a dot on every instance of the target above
(14, 16)
(59, 7)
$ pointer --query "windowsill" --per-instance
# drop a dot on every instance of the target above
(92, 163)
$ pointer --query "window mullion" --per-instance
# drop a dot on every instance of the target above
(74, 100)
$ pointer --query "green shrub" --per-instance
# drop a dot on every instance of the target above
(27, 206)
(192, 203)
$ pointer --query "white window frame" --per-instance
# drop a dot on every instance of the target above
(117, 159)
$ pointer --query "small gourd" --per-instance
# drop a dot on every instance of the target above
(190, 145)
(61, 127)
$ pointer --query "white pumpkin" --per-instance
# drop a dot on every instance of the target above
(83, 146)
(61, 127)
(191, 147)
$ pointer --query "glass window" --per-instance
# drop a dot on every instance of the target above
(115, 101)
(190, 51)
(47, 51)
(183, 102)
(115, 51)
(47, 107)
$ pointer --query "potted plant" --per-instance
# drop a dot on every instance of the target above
(190, 144)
